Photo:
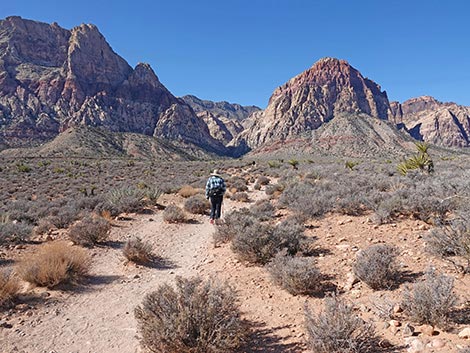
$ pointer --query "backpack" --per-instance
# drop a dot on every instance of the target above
(216, 191)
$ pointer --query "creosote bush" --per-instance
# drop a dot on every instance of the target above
(55, 264)
(197, 204)
(174, 214)
(376, 266)
(9, 288)
(194, 317)
(431, 300)
(90, 230)
(138, 251)
(297, 275)
(337, 329)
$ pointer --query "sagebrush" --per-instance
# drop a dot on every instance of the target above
(138, 251)
(193, 317)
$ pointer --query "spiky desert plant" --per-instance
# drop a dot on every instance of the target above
(294, 163)
(350, 165)
(421, 161)
(194, 317)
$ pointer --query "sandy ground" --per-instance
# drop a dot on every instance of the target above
(98, 317)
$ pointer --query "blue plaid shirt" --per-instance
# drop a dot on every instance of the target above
(215, 182)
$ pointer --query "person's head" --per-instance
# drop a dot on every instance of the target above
(215, 173)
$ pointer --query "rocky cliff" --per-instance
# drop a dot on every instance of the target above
(443, 124)
(224, 120)
(306, 102)
(52, 79)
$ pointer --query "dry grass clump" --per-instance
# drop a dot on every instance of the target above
(138, 251)
(55, 264)
(188, 191)
(297, 275)
(376, 266)
(337, 329)
(197, 204)
(431, 300)
(240, 197)
(9, 288)
(263, 180)
(174, 214)
(194, 317)
(89, 231)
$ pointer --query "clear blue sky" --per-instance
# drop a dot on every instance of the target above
(241, 50)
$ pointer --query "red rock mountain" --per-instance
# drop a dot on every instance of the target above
(330, 88)
(52, 78)
(443, 124)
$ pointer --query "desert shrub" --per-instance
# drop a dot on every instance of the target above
(263, 210)
(237, 183)
(420, 161)
(263, 180)
(9, 288)
(14, 232)
(465, 350)
(234, 223)
(138, 251)
(337, 329)
(257, 187)
(274, 190)
(64, 216)
(152, 194)
(90, 230)
(194, 317)
(197, 204)
(376, 266)
(294, 163)
(259, 242)
(297, 275)
(450, 240)
(431, 300)
(312, 200)
(174, 214)
(55, 264)
(240, 197)
(188, 191)
(126, 199)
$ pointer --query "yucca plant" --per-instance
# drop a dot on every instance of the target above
(294, 163)
(350, 165)
(421, 161)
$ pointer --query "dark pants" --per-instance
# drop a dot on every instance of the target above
(216, 205)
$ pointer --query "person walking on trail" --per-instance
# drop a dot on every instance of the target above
(215, 190)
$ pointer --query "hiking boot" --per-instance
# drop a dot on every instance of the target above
(211, 221)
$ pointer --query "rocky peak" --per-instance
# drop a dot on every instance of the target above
(314, 97)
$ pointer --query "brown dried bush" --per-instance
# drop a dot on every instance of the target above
(240, 197)
(297, 275)
(337, 329)
(194, 317)
(197, 204)
(9, 288)
(188, 191)
(174, 214)
(431, 300)
(55, 264)
(376, 266)
(90, 230)
(138, 251)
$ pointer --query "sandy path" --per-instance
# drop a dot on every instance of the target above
(99, 318)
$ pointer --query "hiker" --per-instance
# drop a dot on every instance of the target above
(215, 190)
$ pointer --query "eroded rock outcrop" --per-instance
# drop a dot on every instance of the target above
(52, 79)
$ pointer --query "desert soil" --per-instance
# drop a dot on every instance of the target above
(99, 316)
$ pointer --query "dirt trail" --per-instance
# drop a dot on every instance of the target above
(99, 317)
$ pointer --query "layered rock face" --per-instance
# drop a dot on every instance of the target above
(224, 120)
(314, 97)
(52, 78)
(426, 119)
